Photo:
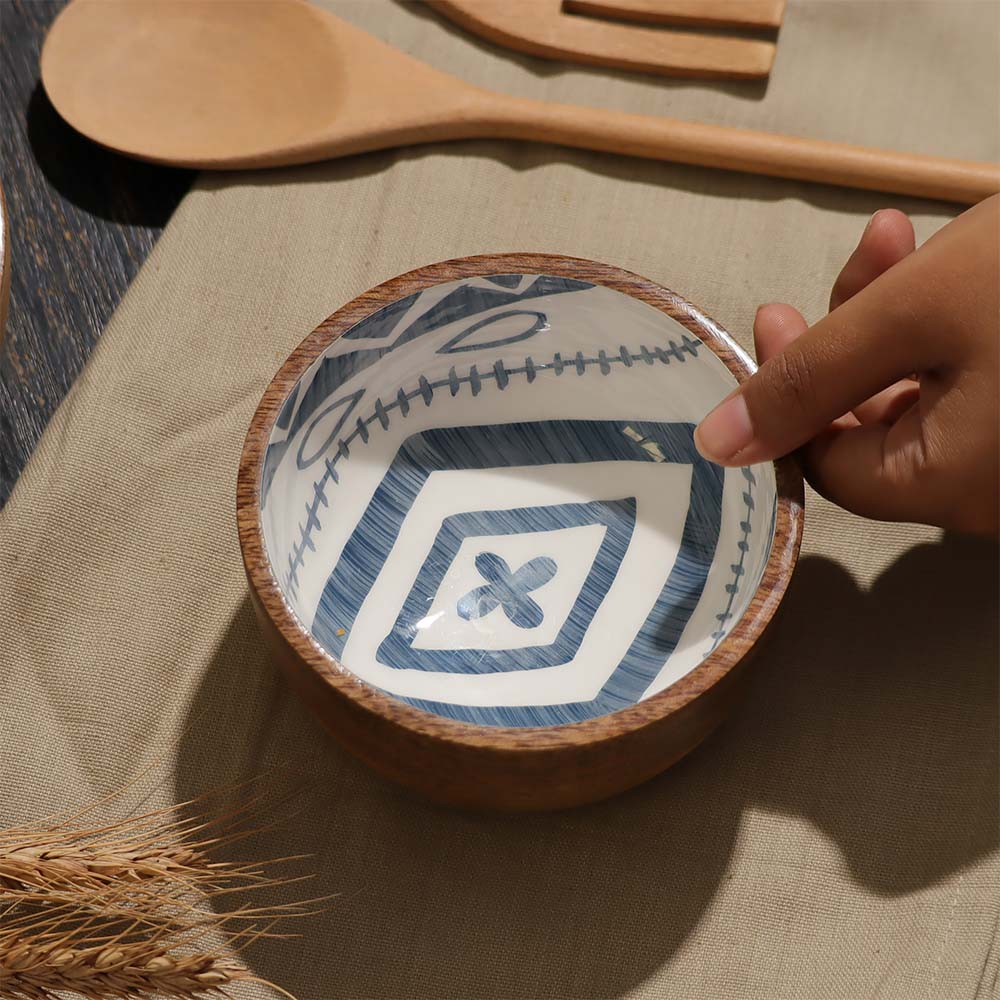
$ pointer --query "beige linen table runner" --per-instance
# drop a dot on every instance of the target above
(837, 839)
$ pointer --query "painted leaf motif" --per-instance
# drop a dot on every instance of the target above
(325, 428)
(504, 328)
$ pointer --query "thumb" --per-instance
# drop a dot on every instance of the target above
(855, 352)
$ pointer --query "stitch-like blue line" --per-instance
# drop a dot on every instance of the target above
(736, 568)
(499, 375)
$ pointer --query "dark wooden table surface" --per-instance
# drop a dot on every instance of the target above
(81, 222)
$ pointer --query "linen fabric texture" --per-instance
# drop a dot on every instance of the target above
(836, 840)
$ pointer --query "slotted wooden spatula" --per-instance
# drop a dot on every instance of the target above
(255, 83)
(703, 13)
(555, 29)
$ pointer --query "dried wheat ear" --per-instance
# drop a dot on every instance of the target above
(126, 909)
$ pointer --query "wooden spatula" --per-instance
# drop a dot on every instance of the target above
(750, 14)
(553, 29)
(254, 83)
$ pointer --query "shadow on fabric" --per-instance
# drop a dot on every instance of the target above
(526, 156)
(872, 716)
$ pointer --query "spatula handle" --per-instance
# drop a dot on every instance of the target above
(746, 150)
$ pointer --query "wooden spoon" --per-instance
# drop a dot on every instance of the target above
(254, 83)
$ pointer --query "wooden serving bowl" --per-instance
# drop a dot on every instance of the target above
(481, 541)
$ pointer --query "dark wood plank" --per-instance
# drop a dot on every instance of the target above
(82, 220)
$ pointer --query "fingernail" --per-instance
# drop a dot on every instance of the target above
(726, 431)
(871, 220)
(761, 308)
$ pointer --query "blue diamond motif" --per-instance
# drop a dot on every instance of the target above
(535, 443)
(510, 589)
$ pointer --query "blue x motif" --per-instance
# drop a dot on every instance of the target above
(508, 589)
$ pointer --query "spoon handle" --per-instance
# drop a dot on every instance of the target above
(745, 150)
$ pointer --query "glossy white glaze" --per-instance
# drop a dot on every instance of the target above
(480, 501)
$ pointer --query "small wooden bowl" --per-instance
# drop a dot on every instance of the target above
(482, 544)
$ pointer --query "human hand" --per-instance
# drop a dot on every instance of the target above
(893, 396)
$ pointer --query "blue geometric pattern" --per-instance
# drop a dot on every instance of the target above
(617, 517)
(499, 374)
(508, 589)
(503, 339)
(539, 443)
(466, 301)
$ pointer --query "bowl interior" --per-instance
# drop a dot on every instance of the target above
(484, 499)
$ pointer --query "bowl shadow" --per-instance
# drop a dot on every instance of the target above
(872, 715)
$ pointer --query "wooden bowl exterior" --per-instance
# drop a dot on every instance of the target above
(509, 769)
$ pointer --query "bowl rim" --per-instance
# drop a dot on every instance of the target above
(614, 725)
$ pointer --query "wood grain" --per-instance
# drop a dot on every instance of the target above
(80, 220)
(507, 768)
(762, 14)
(132, 97)
(4, 265)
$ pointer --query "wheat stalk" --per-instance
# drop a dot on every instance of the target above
(61, 865)
(136, 969)
(120, 910)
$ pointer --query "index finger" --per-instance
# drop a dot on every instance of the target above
(874, 339)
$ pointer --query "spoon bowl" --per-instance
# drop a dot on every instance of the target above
(234, 84)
